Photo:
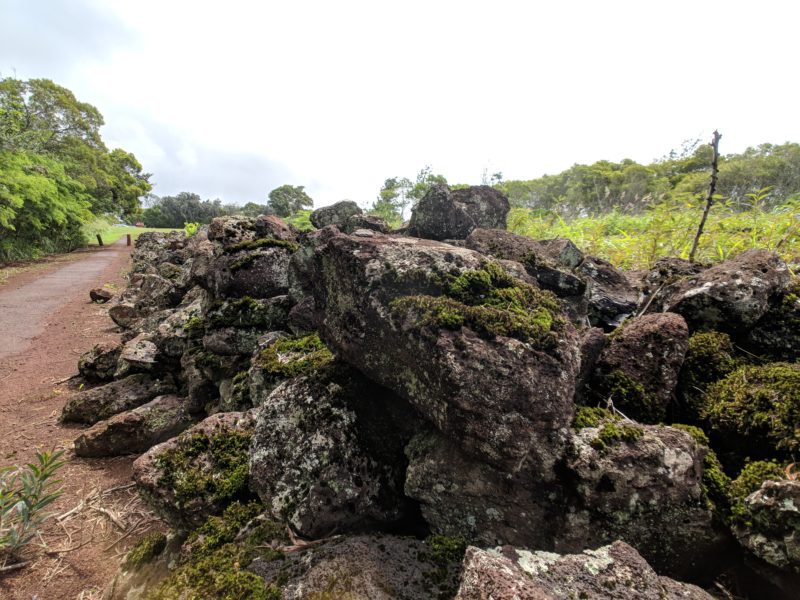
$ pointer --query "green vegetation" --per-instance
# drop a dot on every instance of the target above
(111, 234)
(590, 416)
(291, 357)
(24, 494)
(245, 312)
(287, 200)
(612, 433)
(397, 193)
(56, 174)
(213, 467)
(757, 408)
(490, 302)
(212, 566)
(444, 552)
(630, 397)
(148, 548)
(710, 357)
(748, 481)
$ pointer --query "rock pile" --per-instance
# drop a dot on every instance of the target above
(343, 389)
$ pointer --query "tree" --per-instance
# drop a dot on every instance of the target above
(397, 193)
(185, 207)
(286, 200)
(251, 209)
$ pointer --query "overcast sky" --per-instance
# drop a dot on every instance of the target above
(231, 99)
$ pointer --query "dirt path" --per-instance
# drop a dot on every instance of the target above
(46, 323)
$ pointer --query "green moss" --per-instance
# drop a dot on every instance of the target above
(245, 262)
(149, 547)
(589, 416)
(715, 484)
(630, 397)
(748, 481)
(710, 357)
(614, 433)
(220, 574)
(211, 467)
(262, 243)
(195, 327)
(443, 553)
(757, 408)
(491, 303)
(212, 565)
(291, 357)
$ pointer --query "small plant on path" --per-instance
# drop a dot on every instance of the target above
(24, 494)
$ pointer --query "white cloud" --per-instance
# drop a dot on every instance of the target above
(237, 98)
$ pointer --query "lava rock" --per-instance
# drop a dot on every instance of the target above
(612, 298)
(100, 295)
(96, 404)
(135, 431)
(100, 363)
(335, 214)
(452, 214)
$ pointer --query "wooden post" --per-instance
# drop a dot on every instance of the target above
(129, 239)
(99, 239)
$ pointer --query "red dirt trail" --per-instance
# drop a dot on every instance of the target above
(46, 322)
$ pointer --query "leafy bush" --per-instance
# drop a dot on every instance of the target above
(190, 229)
(24, 494)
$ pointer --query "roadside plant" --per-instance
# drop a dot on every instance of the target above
(24, 494)
(190, 229)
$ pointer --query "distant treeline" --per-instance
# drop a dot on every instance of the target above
(631, 187)
(56, 173)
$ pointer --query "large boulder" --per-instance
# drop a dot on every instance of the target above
(137, 430)
(445, 214)
(770, 525)
(462, 497)
(487, 358)
(638, 369)
(731, 296)
(197, 474)
(615, 571)
(335, 214)
(777, 333)
(327, 453)
(374, 567)
(258, 271)
(96, 404)
(642, 484)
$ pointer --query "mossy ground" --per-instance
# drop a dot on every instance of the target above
(490, 302)
(292, 357)
(214, 468)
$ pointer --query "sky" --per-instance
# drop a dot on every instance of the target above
(232, 99)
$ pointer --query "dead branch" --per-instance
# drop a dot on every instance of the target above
(711, 189)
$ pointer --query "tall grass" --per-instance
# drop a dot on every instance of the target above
(668, 229)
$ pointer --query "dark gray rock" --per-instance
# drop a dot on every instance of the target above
(100, 295)
(367, 222)
(615, 571)
(256, 273)
(135, 431)
(335, 214)
(772, 529)
(452, 214)
(372, 567)
(612, 298)
(327, 454)
(231, 341)
(646, 491)
(99, 363)
(777, 333)
(731, 296)
(96, 404)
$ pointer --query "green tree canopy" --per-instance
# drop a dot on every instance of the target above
(286, 200)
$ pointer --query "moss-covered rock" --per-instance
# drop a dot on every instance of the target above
(614, 433)
(149, 547)
(710, 357)
(751, 478)
(755, 411)
(777, 333)
(198, 473)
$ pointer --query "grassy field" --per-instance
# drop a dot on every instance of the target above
(112, 234)
(637, 241)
